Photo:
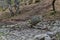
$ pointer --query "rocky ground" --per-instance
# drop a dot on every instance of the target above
(43, 30)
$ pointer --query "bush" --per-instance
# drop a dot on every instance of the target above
(34, 20)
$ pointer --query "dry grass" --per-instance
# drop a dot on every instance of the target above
(5, 15)
(33, 9)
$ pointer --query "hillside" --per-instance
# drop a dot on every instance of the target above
(36, 21)
(34, 9)
(43, 8)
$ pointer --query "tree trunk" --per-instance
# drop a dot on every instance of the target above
(10, 7)
(53, 5)
(16, 6)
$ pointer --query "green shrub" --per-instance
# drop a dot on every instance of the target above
(34, 20)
